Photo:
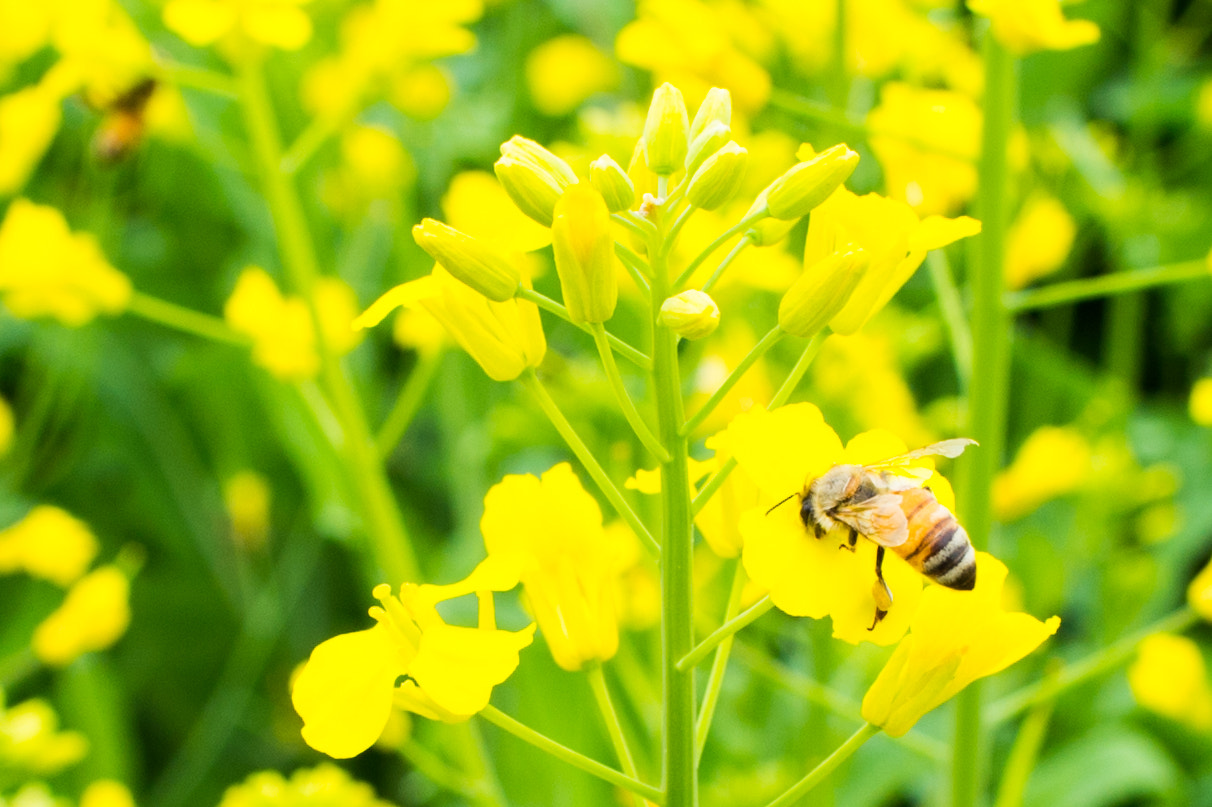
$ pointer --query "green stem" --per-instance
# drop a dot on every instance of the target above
(199, 78)
(184, 319)
(622, 348)
(608, 488)
(601, 693)
(408, 402)
(634, 265)
(436, 770)
(723, 632)
(719, 665)
(740, 226)
(712, 486)
(620, 394)
(952, 307)
(678, 223)
(565, 754)
(820, 772)
(641, 228)
(1023, 756)
(724, 264)
(772, 338)
(1090, 288)
(309, 141)
(987, 392)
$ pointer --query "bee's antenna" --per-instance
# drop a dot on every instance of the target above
(780, 504)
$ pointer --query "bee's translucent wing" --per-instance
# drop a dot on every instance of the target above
(947, 448)
(879, 518)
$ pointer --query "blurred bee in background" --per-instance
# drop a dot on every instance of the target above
(885, 503)
(121, 129)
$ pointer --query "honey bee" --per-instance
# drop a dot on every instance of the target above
(895, 512)
(121, 129)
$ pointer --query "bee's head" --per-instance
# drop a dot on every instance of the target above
(807, 511)
(829, 489)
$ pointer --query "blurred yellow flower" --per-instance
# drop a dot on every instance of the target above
(476, 204)
(374, 166)
(1169, 677)
(895, 239)
(106, 793)
(48, 271)
(955, 638)
(1052, 461)
(7, 427)
(1039, 240)
(93, 616)
(504, 338)
(277, 23)
(638, 582)
(565, 71)
(347, 689)
(24, 29)
(549, 529)
(325, 785)
(1199, 593)
(927, 142)
(247, 498)
(1200, 404)
(30, 740)
(29, 119)
(1025, 26)
(1203, 104)
(49, 544)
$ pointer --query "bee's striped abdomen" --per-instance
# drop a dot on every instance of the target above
(937, 546)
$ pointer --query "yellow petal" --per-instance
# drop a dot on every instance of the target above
(405, 295)
(784, 449)
(199, 22)
(458, 667)
(281, 26)
(935, 232)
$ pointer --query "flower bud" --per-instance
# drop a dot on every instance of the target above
(716, 108)
(718, 178)
(469, 259)
(610, 180)
(766, 231)
(803, 187)
(584, 254)
(533, 177)
(666, 131)
(821, 292)
(691, 314)
(707, 143)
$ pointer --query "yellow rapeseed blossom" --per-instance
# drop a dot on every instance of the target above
(550, 530)
(29, 119)
(1200, 404)
(24, 29)
(49, 544)
(374, 167)
(93, 616)
(325, 785)
(7, 427)
(476, 204)
(277, 23)
(1039, 240)
(30, 740)
(1199, 593)
(504, 338)
(563, 72)
(927, 142)
(1169, 677)
(247, 497)
(955, 638)
(890, 233)
(1053, 461)
(46, 270)
(348, 688)
(106, 793)
(1025, 26)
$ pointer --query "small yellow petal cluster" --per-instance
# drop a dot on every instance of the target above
(348, 688)
(325, 785)
(1052, 461)
(8, 427)
(30, 740)
(247, 498)
(1026, 26)
(46, 270)
(565, 71)
(1199, 593)
(93, 616)
(106, 793)
(1039, 240)
(281, 329)
(277, 23)
(1169, 677)
(1200, 404)
(49, 544)
(955, 638)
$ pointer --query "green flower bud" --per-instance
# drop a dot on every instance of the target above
(533, 177)
(584, 254)
(795, 193)
(691, 314)
(666, 131)
(716, 108)
(719, 177)
(821, 292)
(707, 143)
(469, 259)
(610, 180)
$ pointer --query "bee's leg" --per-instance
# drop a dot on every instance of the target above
(880, 590)
(851, 540)
(818, 530)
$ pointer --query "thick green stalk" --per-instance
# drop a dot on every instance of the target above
(820, 772)
(990, 373)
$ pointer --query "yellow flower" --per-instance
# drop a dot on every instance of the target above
(29, 119)
(1199, 593)
(30, 739)
(24, 29)
(106, 793)
(7, 427)
(563, 72)
(550, 530)
(1053, 461)
(1169, 677)
(48, 271)
(93, 616)
(894, 238)
(956, 637)
(1200, 405)
(278, 23)
(246, 496)
(48, 544)
(1025, 26)
(374, 167)
(927, 142)
(504, 338)
(322, 786)
(476, 204)
(1038, 241)
(347, 689)
(783, 451)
